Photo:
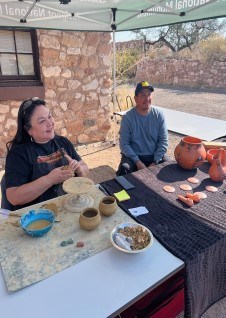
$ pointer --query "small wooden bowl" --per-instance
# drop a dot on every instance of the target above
(108, 205)
(89, 219)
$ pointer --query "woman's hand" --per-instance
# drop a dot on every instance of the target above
(32, 190)
(59, 175)
(77, 167)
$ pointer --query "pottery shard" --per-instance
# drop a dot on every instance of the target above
(193, 180)
(168, 188)
(211, 189)
(80, 244)
(201, 195)
(51, 206)
(185, 187)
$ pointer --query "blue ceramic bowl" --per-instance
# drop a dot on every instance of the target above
(37, 222)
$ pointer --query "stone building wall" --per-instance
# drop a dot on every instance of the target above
(76, 73)
(185, 73)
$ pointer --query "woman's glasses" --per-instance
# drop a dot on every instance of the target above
(28, 103)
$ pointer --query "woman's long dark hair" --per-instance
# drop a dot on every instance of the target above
(24, 122)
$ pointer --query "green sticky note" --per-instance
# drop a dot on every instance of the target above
(122, 196)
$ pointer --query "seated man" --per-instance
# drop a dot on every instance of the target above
(143, 133)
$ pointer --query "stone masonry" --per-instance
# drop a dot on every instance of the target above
(185, 73)
(76, 73)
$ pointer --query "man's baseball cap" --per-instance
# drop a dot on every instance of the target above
(142, 85)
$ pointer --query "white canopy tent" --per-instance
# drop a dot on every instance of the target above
(105, 15)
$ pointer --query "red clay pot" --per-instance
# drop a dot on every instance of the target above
(217, 171)
(190, 153)
(211, 153)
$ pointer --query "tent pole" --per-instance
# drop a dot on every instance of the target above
(114, 87)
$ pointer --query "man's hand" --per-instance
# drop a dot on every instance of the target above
(152, 164)
(140, 165)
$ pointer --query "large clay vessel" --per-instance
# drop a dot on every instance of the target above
(217, 171)
(190, 153)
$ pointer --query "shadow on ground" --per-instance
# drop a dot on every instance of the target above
(101, 173)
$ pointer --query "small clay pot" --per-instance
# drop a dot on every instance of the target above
(89, 219)
(211, 153)
(108, 205)
(217, 170)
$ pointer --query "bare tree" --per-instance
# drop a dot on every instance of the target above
(180, 36)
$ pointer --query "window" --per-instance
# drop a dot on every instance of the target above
(19, 61)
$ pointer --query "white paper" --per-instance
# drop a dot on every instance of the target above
(138, 211)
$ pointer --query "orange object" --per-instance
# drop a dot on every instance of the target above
(193, 180)
(187, 201)
(211, 153)
(217, 171)
(201, 195)
(211, 189)
(193, 196)
(168, 188)
(185, 187)
(190, 153)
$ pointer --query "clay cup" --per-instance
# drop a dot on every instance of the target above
(89, 219)
(108, 205)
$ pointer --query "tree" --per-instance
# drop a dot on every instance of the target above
(126, 63)
(183, 35)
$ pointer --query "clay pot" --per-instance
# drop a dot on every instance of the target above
(211, 153)
(190, 153)
(108, 205)
(217, 171)
(89, 219)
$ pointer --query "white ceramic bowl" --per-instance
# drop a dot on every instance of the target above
(136, 226)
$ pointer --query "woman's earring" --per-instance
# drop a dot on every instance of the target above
(31, 139)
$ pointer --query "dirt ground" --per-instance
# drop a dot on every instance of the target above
(103, 158)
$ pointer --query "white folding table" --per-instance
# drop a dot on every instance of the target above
(98, 287)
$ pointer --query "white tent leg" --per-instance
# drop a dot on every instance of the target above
(114, 87)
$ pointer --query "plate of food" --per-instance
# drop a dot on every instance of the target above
(131, 238)
(78, 185)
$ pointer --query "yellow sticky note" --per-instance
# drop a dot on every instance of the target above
(122, 196)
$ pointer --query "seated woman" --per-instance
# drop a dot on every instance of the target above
(38, 161)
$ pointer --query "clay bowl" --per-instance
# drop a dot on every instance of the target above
(108, 205)
(89, 219)
(211, 153)
(37, 222)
